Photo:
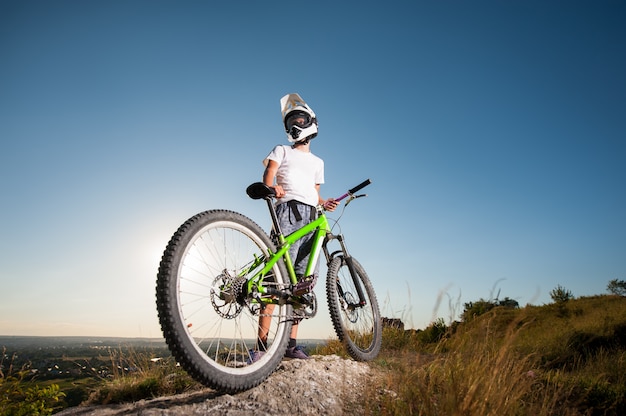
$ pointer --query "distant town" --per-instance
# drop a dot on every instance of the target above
(74, 357)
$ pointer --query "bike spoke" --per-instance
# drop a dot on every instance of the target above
(213, 314)
(356, 321)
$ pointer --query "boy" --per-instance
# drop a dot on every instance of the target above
(296, 175)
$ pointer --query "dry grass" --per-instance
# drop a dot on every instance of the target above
(140, 375)
(550, 360)
(530, 361)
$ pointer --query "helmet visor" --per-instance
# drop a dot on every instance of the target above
(299, 119)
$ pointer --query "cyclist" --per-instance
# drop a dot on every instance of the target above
(296, 175)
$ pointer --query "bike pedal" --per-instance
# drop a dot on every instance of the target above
(305, 286)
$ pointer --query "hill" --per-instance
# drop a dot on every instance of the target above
(566, 358)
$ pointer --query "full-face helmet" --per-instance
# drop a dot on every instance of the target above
(298, 118)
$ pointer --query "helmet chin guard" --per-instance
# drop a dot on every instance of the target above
(298, 118)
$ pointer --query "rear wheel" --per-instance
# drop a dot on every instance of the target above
(209, 323)
(358, 325)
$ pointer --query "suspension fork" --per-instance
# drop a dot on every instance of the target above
(349, 261)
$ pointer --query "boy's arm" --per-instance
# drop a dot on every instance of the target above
(269, 175)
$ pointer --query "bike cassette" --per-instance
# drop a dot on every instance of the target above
(227, 294)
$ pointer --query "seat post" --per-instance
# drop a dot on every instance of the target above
(270, 206)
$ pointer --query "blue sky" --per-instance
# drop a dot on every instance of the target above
(493, 133)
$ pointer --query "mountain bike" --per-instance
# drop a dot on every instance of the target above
(221, 272)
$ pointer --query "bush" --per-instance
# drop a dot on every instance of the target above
(434, 332)
(21, 398)
(482, 306)
(617, 287)
(476, 309)
(561, 295)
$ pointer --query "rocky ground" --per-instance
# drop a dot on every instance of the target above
(322, 385)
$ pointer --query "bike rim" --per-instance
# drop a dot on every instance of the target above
(359, 323)
(222, 330)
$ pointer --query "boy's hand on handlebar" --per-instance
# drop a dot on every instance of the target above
(330, 204)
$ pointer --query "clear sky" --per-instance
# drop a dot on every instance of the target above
(493, 132)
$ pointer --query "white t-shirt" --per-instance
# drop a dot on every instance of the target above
(298, 173)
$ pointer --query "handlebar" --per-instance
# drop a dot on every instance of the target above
(355, 189)
(259, 190)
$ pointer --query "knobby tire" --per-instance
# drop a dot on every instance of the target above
(207, 325)
(358, 327)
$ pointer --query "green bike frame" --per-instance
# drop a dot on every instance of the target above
(322, 235)
(319, 227)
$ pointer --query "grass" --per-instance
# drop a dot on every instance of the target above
(140, 375)
(558, 359)
(551, 360)
(474, 373)
(132, 375)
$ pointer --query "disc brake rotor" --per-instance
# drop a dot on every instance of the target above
(351, 312)
(226, 295)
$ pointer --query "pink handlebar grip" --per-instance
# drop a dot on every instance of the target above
(355, 189)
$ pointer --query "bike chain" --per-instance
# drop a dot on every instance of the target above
(235, 294)
(304, 311)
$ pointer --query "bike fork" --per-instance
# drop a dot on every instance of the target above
(348, 258)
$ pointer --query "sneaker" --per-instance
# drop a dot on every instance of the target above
(296, 352)
(254, 356)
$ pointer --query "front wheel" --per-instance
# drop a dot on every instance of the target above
(210, 323)
(356, 323)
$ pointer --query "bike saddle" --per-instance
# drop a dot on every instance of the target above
(259, 190)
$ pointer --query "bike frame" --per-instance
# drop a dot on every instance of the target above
(321, 229)
(322, 235)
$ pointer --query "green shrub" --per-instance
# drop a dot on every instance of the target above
(433, 332)
(561, 295)
(617, 287)
(23, 398)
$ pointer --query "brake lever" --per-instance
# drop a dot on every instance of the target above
(352, 197)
